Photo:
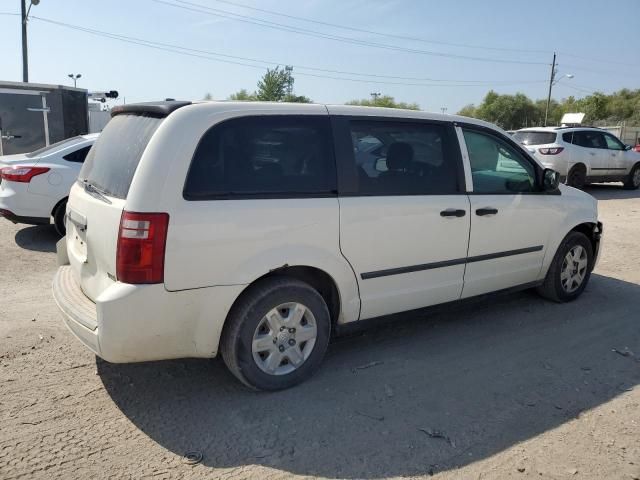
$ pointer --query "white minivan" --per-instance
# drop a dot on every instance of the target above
(256, 229)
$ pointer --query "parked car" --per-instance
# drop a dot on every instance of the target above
(582, 155)
(251, 230)
(34, 186)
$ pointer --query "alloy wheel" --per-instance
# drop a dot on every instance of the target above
(284, 338)
(574, 269)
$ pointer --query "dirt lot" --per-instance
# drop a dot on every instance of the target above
(518, 387)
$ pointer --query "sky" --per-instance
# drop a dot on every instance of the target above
(439, 54)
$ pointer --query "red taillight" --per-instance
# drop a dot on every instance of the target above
(551, 150)
(21, 174)
(141, 243)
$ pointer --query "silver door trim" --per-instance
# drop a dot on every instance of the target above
(465, 159)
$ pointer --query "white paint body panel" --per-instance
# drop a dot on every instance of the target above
(523, 221)
(379, 233)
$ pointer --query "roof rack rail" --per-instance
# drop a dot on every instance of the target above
(578, 126)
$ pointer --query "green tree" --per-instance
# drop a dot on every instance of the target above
(207, 96)
(385, 101)
(272, 87)
(297, 99)
(468, 110)
(243, 95)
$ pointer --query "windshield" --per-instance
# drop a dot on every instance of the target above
(54, 146)
(535, 138)
(113, 160)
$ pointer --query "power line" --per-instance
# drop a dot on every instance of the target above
(403, 37)
(313, 33)
(208, 55)
(362, 30)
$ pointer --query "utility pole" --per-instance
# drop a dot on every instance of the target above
(289, 70)
(551, 79)
(25, 64)
(374, 97)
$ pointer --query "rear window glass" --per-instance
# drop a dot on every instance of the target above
(267, 155)
(534, 138)
(54, 146)
(113, 160)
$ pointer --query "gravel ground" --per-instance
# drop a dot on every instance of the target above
(514, 387)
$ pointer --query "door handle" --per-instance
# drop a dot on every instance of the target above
(452, 212)
(486, 211)
(592, 153)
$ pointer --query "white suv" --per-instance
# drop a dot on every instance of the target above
(582, 155)
(34, 186)
(254, 229)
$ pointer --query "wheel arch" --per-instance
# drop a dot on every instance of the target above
(591, 229)
(317, 278)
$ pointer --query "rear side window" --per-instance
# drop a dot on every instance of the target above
(589, 139)
(535, 138)
(113, 160)
(402, 158)
(78, 156)
(277, 156)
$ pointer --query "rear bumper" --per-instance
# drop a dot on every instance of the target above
(136, 323)
(78, 311)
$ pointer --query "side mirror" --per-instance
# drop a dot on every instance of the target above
(628, 147)
(551, 180)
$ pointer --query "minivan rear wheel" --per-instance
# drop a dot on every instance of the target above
(276, 334)
(570, 269)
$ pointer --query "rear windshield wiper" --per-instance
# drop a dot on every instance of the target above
(94, 191)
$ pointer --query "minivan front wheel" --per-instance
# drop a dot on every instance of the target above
(276, 334)
(570, 269)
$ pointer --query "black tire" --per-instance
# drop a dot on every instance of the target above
(247, 314)
(577, 177)
(631, 182)
(58, 218)
(552, 288)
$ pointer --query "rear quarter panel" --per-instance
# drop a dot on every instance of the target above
(234, 242)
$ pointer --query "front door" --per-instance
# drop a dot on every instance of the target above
(510, 220)
(592, 151)
(616, 152)
(404, 217)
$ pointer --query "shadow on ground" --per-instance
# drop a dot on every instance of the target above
(486, 376)
(611, 191)
(38, 238)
